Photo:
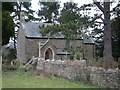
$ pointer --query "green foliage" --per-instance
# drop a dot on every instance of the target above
(69, 13)
(7, 6)
(70, 22)
(115, 27)
(47, 10)
(69, 30)
(119, 63)
(10, 67)
(7, 27)
(7, 22)
(15, 63)
(75, 52)
(8, 56)
(7, 67)
(26, 7)
(99, 35)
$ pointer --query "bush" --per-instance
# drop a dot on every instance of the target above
(15, 63)
(8, 54)
(71, 57)
(7, 67)
(13, 66)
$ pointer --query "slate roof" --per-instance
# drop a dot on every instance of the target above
(32, 30)
(88, 40)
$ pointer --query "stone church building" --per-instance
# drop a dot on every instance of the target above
(31, 43)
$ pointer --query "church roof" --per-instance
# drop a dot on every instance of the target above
(32, 30)
(88, 40)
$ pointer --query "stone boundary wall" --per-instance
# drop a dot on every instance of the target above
(77, 70)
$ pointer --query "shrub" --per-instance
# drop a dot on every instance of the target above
(7, 67)
(15, 64)
(12, 66)
(8, 54)
(71, 57)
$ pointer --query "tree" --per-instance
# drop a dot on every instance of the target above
(1, 24)
(107, 53)
(49, 11)
(69, 30)
(18, 7)
(23, 6)
(116, 32)
(70, 22)
(99, 36)
(7, 22)
(69, 13)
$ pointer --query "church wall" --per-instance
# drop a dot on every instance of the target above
(46, 47)
(89, 51)
(76, 43)
(63, 57)
(32, 48)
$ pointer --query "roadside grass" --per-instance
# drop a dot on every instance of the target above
(26, 80)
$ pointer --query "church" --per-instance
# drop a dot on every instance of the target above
(31, 43)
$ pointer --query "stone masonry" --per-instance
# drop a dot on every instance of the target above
(77, 70)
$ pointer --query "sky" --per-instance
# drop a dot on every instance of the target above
(35, 5)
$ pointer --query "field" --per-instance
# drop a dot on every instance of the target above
(28, 80)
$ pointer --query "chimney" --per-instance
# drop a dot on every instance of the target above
(22, 16)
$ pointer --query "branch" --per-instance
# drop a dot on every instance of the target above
(99, 22)
(93, 21)
(98, 5)
(102, 19)
(97, 17)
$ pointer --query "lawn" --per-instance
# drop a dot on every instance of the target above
(28, 80)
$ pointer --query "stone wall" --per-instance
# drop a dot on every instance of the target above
(77, 70)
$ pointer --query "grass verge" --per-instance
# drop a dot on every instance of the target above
(26, 80)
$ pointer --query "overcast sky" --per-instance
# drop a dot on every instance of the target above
(35, 5)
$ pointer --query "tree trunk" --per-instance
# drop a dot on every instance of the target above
(107, 53)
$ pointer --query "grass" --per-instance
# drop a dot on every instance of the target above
(0, 81)
(27, 80)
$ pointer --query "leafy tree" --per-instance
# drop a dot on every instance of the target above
(98, 33)
(49, 11)
(18, 7)
(116, 32)
(0, 24)
(23, 6)
(70, 22)
(7, 27)
(69, 30)
(69, 13)
(7, 22)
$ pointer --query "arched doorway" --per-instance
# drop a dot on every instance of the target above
(49, 54)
